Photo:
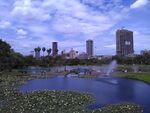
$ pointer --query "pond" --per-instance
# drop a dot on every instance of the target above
(105, 90)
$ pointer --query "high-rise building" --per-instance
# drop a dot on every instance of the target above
(37, 54)
(83, 56)
(89, 48)
(73, 54)
(124, 42)
(54, 48)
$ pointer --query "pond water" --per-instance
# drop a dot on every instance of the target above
(105, 90)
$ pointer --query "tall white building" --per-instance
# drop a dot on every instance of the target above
(73, 54)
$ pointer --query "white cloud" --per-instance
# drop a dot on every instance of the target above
(39, 22)
(73, 17)
(68, 17)
(26, 9)
(139, 3)
(5, 24)
(110, 46)
(21, 32)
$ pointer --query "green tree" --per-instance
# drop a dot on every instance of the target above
(5, 55)
(38, 49)
(17, 60)
(43, 49)
(35, 50)
(49, 51)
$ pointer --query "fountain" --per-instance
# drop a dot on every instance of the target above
(135, 68)
(112, 66)
(106, 77)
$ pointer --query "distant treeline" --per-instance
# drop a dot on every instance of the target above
(9, 59)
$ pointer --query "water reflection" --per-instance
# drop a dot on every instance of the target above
(126, 92)
(105, 90)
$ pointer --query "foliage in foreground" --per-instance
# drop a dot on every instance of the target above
(48, 102)
(12, 101)
(120, 108)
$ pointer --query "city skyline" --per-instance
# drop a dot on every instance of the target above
(27, 24)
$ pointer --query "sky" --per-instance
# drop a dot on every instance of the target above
(27, 24)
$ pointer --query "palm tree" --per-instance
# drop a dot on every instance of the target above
(49, 51)
(43, 49)
(57, 51)
(35, 50)
(39, 50)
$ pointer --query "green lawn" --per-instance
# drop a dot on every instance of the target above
(138, 76)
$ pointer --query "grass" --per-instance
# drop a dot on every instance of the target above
(144, 76)
(13, 101)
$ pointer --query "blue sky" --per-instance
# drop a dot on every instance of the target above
(26, 24)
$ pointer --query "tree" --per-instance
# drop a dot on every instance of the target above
(43, 49)
(5, 55)
(35, 50)
(38, 49)
(49, 51)
(56, 51)
(17, 60)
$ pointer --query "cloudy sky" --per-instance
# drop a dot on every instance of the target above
(26, 24)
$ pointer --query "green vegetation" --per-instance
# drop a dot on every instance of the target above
(138, 76)
(120, 108)
(13, 101)
(138, 59)
(48, 101)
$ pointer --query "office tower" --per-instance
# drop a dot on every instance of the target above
(124, 42)
(89, 48)
(54, 48)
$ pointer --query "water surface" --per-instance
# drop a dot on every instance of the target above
(105, 90)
